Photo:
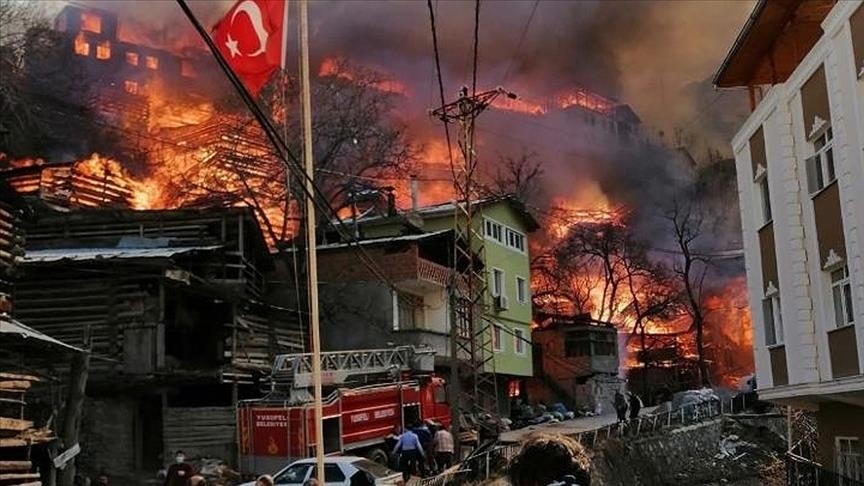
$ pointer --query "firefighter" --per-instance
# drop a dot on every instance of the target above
(411, 453)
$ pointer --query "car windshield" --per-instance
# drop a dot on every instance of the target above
(295, 474)
(372, 468)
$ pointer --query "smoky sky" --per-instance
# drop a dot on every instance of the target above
(656, 56)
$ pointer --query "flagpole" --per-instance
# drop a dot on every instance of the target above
(312, 258)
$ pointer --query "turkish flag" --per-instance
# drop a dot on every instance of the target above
(250, 38)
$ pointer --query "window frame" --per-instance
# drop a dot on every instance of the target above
(497, 343)
(821, 167)
(502, 289)
(519, 342)
(765, 200)
(771, 305)
(853, 452)
(521, 290)
(842, 299)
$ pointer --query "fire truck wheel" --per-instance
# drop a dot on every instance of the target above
(379, 456)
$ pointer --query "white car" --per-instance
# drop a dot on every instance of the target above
(338, 471)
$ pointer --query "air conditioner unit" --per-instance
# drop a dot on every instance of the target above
(501, 302)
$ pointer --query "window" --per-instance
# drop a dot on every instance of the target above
(152, 62)
(849, 460)
(130, 87)
(132, 58)
(91, 22)
(497, 282)
(577, 344)
(187, 69)
(409, 312)
(521, 290)
(765, 195)
(295, 474)
(820, 167)
(82, 47)
(841, 290)
(332, 473)
(496, 338)
(103, 50)
(519, 341)
(773, 320)
(590, 343)
(515, 239)
(494, 231)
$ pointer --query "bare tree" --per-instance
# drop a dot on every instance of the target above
(521, 176)
(686, 218)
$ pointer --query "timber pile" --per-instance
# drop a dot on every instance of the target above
(67, 185)
(16, 432)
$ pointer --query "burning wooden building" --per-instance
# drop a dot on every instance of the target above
(175, 304)
(576, 362)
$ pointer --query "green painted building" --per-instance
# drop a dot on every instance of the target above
(504, 224)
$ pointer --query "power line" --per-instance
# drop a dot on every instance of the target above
(441, 85)
(476, 45)
(521, 40)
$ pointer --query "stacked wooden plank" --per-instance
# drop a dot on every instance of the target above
(200, 431)
(16, 432)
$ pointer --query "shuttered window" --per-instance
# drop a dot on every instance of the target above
(815, 104)
(856, 22)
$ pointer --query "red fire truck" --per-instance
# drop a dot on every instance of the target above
(367, 394)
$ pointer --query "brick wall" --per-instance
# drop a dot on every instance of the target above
(344, 264)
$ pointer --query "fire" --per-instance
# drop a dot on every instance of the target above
(520, 105)
(91, 22)
(585, 99)
(82, 47)
(338, 68)
(572, 97)
(103, 50)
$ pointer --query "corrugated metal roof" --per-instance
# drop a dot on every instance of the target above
(388, 239)
(88, 254)
(11, 326)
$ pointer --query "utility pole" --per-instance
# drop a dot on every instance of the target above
(472, 366)
(312, 260)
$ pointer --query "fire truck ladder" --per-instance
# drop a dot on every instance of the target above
(473, 365)
(338, 367)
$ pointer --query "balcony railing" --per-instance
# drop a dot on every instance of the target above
(433, 272)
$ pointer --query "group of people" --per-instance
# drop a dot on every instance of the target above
(424, 448)
(624, 403)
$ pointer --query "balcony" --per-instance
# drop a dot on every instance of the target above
(423, 276)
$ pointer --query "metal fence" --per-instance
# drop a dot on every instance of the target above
(804, 472)
(683, 416)
(489, 461)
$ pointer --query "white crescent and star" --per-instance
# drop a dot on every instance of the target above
(251, 9)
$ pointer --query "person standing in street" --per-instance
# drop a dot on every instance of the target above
(180, 472)
(442, 446)
(635, 405)
(411, 453)
(620, 404)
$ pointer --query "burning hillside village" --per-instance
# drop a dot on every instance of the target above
(397, 241)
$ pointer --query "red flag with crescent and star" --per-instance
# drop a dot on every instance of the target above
(251, 38)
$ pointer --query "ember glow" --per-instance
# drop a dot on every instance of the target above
(193, 153)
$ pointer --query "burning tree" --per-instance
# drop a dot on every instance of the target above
(685, 217)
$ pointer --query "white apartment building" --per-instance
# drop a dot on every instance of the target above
(800, 170)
